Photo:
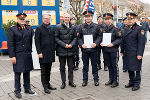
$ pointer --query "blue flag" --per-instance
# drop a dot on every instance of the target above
(91, 6)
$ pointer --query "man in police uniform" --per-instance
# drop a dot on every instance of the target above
(111, 50)
(20, 47)
(76, 58)
(101, 26)
(145, 27)
(123, 28)
(89, 28)
(133, 47)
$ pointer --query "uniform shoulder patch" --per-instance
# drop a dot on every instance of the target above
(119, 33)
(142, 32)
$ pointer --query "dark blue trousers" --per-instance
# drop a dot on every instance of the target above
(124, 62)
(135, 78)
(76, 59)
(86, 56)
(99, 55)
(26, 78)
(111, 58)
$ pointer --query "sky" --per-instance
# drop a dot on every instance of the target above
(145, 1)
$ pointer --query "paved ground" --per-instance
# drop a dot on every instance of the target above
(86, 93)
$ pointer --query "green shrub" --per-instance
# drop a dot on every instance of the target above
(5, 27)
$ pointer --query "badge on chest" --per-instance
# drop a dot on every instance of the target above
(142, 32)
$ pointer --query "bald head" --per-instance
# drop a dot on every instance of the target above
(66, 15)
(66, 18)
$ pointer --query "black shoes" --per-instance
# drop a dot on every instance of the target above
(76, 67)
(110, 82)
(72, 84)
(63, 85)
(135, 88)
(18, 95)
(105, 68)
(29, 92)
(47, 91)
(114, 84)
(51, 87)
(99, 66)
(128, 85)
(84, 84)
(96, 83)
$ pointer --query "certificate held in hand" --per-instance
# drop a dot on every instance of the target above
(106, 38)
(88, 40)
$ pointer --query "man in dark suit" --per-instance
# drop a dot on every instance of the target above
(20, 48)
(66, 38)
(44, 42)
(133, 49)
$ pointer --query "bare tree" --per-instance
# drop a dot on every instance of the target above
(77, 7)
(103, 6)
(138, 9)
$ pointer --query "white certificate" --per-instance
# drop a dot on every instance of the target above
(88, 40)
(106, 38)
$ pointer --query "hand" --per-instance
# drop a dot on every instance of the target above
(69, 46)
(110, 45)
(93, 45)
(13, 60)
(66, 46)
(78, 46)
(40, 55)
(101, 44)
(139, 57)
(84, 46)
(122, 54)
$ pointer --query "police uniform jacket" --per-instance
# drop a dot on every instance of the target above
(123, 29)
(115, 38)
(145, 26)
(91, 29)
(20, 46)
(133, 45)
